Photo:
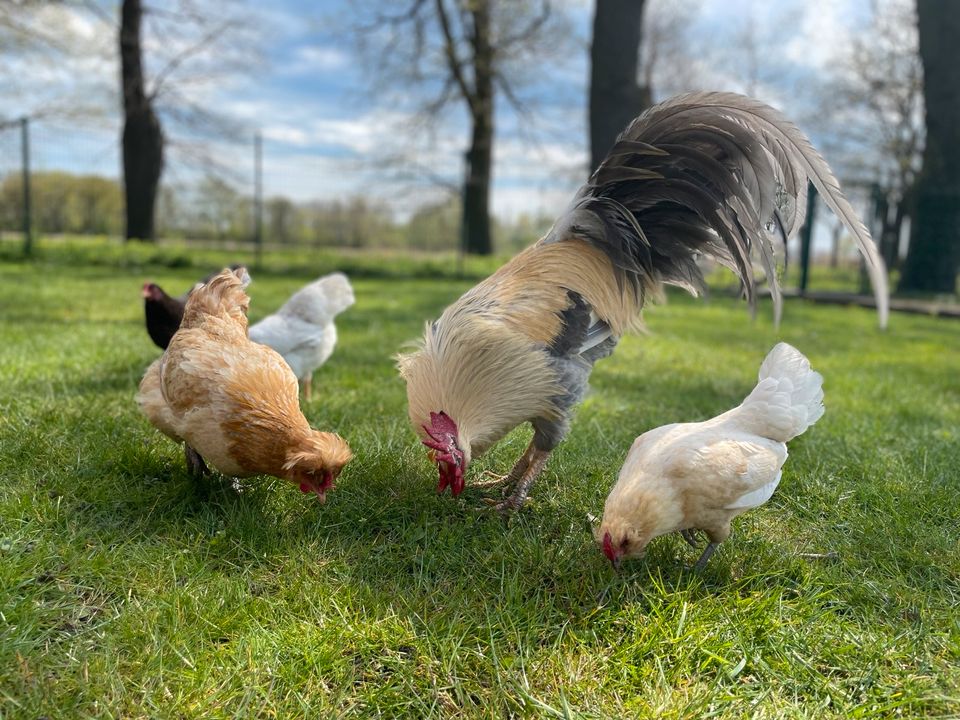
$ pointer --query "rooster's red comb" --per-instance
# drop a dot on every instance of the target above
(441, 432)
(442, 423)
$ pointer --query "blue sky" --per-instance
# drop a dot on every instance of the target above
(326, 136)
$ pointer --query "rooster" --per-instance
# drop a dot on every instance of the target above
(699, 476)
(234, 403)
(302, 331)
(704, 174)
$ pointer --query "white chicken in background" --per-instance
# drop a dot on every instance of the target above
(699, 476)
(302, 331)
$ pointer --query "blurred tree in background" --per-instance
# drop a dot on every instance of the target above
(64, 203)
(190, 34)
(934, 257)
(877, 131)
(615, 96)
(142, 134)
(473, 52)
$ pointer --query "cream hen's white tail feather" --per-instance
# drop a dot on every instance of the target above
(787, 399)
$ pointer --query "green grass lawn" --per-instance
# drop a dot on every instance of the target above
(126, 591)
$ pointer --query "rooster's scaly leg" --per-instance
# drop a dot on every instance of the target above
(538, 458)
(306, 387)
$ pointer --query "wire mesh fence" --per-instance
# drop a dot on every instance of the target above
(239, 189)
(66, 178)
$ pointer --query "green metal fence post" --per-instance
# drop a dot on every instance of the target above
(27, 213)
(258, 199)
(806, 238)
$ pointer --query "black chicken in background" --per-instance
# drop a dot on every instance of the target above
(164, 313)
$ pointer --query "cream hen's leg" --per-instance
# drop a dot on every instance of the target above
(716, 535)
(690, 535)
(707, 553)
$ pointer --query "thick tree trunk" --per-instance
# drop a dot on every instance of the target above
(476, 195)
(142, 135)
(902, 211)
(933, 259)
(615, 97)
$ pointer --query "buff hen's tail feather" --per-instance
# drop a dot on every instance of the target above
(714, 174)
(221, 295)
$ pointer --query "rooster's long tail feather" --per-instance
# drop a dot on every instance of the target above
(712, 174)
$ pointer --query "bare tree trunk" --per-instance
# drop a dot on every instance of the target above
(615, 97)
(476, 195)
(902, 211)
(881, 199)
(142, 135)
(934, 255)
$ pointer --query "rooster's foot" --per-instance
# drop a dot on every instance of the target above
(506, 483)
(494, 481)
(505, 507)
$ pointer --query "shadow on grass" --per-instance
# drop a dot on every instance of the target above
(399, 546)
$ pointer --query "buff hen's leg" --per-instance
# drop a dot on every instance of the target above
(195, 464)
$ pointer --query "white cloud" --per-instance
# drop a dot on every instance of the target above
(309, 59)
(510, 203)
(540, 164)
(823, 33)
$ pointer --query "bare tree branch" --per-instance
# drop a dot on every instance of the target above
(395, 20)
(178, 60)
(453, 61)
(531, 30)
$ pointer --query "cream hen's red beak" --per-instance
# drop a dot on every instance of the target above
(612, 555)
